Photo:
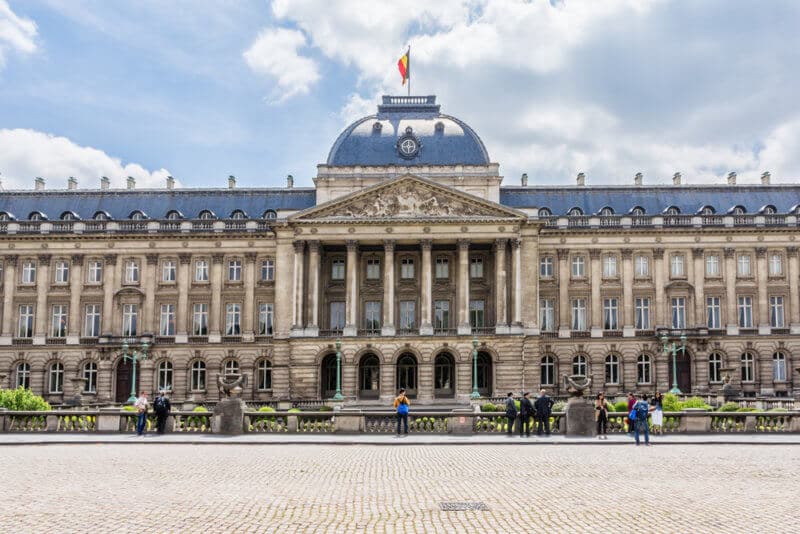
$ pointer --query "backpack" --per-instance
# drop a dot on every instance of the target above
(402, 408)
(160, 404)
(641, 411)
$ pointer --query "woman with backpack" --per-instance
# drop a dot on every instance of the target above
(401, 404)
(601, 416)
(639, 415)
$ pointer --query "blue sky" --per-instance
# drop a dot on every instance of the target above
(203, 89)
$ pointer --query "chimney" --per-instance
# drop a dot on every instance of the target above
(72, 183)
(581, 179)
(676, 179)
(105, 183)
(524, 179)
(231, 181)
(170, 182)
(731, 178)
(38, 183)
(131, 182)
(289, 181)
(637, 180)
(765, 178)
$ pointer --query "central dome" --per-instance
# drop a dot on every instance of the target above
(408, 130)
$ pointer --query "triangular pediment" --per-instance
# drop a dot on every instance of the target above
(407, 198)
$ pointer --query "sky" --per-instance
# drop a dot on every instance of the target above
(202, 89)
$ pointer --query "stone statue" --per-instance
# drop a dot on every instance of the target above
(577, 384)
(231, 388)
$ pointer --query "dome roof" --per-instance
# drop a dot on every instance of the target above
(408, 130)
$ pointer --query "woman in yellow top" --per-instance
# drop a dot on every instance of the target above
(401, 404)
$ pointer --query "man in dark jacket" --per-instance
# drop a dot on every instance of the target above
(511, 413)
(525, 413)
(162, 408)
(544, 407)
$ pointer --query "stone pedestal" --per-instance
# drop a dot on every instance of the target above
(108, 420)
(348, 421)
(580, 418)
(461, 421)
(228, 417)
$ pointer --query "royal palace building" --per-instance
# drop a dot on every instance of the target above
(413, 258)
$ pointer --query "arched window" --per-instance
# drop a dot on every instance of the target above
(738, 210)
(36, 216)
(101, 216)
(575, 212)
(748, 367)
(4, 216)
(407, 374)
(638, 211)
(264, 375)
(369, 377)
(606, 212)
(715, 367)
(198, 378)
(547, 375)
(444, 376)
(56, 378)
(174, 215)
(270, 214)
(484, 377)
(68, 216)
(328, 376)
(231, 367)
(545, 212)
(643, 370)
(779, 367)
(206, 215)
(612, 369)
(238, 214)
(90, 374)
(579, 365)
(137, 215)
(707, 210)
(24, 375)
(672, 210)
(769, 209)
(164, 381)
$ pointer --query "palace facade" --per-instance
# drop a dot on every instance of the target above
(410, 255)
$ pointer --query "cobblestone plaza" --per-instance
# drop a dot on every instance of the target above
(361, 488)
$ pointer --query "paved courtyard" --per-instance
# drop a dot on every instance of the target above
(364, 488)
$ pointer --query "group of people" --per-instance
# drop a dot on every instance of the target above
(638, 413)
(540, 410)
(161, 407)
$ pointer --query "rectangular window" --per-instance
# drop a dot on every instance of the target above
(610, 314)
(58, 323)
(130, 315)
(547, 315)
(337, 315)
(712, 265)
(407, 268)
(166, 326)
(442, 267)
(441, 315)
(95, 272)
(677, 265)
(578, 314)
(743, 266)
(29, 272)
(168, 271)
(642, 266)
(233, 319)
(25, 321)
(407, 314)
(776, 312)
(200, 319)
(476, 313)
(679, 312)
(131, 272)
(266, 314)
(609, 267)
(372, 315)
(578, 267)
(62, 272)
(642, 309)
(201, 271)
(337, 269)
(713, 312)
(746, 312)
(476, 267)
(775, 265)
(373, 269)
(546, 267)
(92, 320)
(235, 271)
(268, 270)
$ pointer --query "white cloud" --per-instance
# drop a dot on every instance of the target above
(25, 154)
(16, 33)
(275, 54)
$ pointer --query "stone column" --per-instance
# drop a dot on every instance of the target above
(628, 323)
(463, 288)
(297, 293)
(763, 299)
(564, 325)
(659, 281)
(351, 303)
(182, 319)
(794, 295)
(596, 303)
(313, 287)
(214, 330)
(149, 282)
(526, 297)
(248, 314)
(75, 288)
(426, 327)
(40, 331)
(699, 289)
(109, 286)
(731, 318)
(500, 287)
(388, 328)
(9, 287)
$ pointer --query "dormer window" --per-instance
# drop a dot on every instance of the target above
(36, 216)
(545, 212)
(672, 210)
(575, 212)
(206, 215)
(707, 210)
(4, 216)
(270, 214)
(738, 210)
(769, 210)
(137, 216)
(174, 215)
(68, 216)
(238, 215)
(606, 212)
(101, 216)
(638, 211)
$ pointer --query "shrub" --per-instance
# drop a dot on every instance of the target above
(128, 408)
(200, 409)
(729, 407)
(326, 408)
(488, 407)
(694, 402)
(559, 406)
(22, 400)
(267, 409)
(293, 410)
(778, 410)
(620, 407)
(670, 403)
(747, 409)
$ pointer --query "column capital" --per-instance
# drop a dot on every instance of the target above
(594, 254)
(761, 252)
(152, 259)
(185, 259)
(77, 259)
(250, 257)
(299, 246)
(658, 253)
(562, 253)
(352, 245)
(500, 244)
(11, 259)
(217, 258)
(389, 244)
(313, 245)
(791, 251)
(697, 253)
(44, 259)
(516, 243)
(626, 253)
(463, 244)
(729, 252)
(110, 259)
(426, 244)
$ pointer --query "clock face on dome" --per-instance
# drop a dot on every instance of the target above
(408, 145)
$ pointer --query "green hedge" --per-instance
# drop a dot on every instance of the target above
(22, 400)
(620, 407)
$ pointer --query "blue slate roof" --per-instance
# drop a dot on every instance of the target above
(444, 140)
(155, 203)
(654, 199)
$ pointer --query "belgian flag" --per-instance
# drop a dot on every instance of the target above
(404, 65)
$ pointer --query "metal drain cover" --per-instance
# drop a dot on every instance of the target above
(462, 506)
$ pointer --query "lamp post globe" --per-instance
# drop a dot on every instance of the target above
(475, 393)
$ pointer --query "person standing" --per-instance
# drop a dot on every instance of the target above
(631, 402)
(401, 404)
(641, 409)
(601, 416)
(658, 414)
(544, 408)
(162, 407)
(511, 414)
(525, 413)
(141, 410)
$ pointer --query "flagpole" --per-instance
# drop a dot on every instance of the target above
(408, 67)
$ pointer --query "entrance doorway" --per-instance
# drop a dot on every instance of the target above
(443, 376)
(684, 367)
(123, 386)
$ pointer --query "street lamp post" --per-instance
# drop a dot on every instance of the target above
(674, 348)
(475, 394)
(134, 356)
(338, 395)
